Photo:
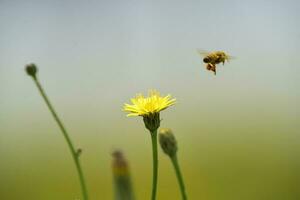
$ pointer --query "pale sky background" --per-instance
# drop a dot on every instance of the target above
(94, 55)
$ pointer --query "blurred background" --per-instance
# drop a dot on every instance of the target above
(238, 132)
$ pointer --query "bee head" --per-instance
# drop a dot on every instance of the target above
(206, 60)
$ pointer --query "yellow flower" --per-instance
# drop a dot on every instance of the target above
(149, 108)
(144, 106)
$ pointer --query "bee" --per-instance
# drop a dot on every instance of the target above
(213, 58)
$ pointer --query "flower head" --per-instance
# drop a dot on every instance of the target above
(119, 165)
(151, 105)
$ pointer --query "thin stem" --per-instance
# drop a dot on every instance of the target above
(179, 176)
(66, 136)
(155, 164)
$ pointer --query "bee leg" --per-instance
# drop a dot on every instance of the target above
(214, 69)
(209, 66)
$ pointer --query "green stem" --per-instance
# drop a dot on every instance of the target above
(155, 164)
(179, 176)
(66, 136)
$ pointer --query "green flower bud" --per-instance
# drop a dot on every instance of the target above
(167, 141)
(31, 70)
(122, 180)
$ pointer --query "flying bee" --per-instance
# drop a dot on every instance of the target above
(213, 58)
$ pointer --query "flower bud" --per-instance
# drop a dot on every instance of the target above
(167, 141)
(122, 181)
(31, 69)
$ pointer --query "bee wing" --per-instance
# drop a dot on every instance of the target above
(229, 57)
(203, 53)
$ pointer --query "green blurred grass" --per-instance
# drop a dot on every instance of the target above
(219, 162)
